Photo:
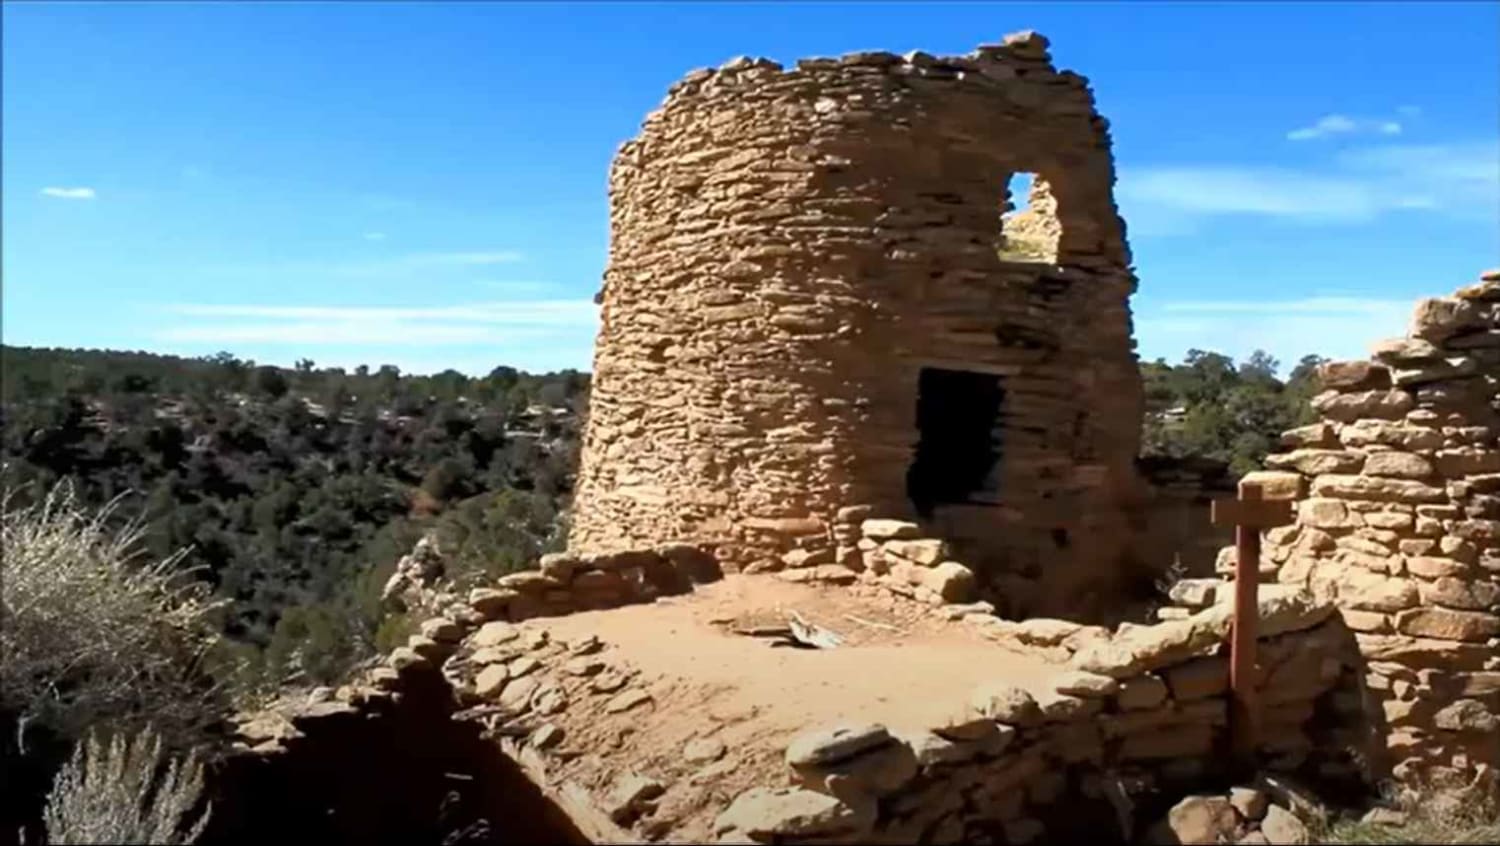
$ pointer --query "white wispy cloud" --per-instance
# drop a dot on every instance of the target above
(431, 262)
(79, 193)
(1336, 326)
(513, 312)
(1330, 125)
(1459, 179)
(535, 321)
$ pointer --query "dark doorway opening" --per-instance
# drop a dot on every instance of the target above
(959, 438)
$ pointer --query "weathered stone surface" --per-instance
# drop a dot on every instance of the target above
(1466, 715)
(1276, 484)
(1202, 819)
(1005, 703)
(1353, 375)
(832, 743)
(1375, 488)
(491, 680)
(1313, 435)
(1313, 462)
(516, 695)
(633, 698)
(1366, 591)
(1281, 827)
(879, 529)
(919, 550)
(1402, 350)
(1437, 318)
(1088, 685)
(629, 794)
(491, 602)
(703, 750)
(873, 772)
(1401, 464)
(1348, 407)
(1446, 624)
(1250, 802)
(547, 736)
(1464, 595)
(764, 812)
(494, 633)
(950, 580)
(1195, 593)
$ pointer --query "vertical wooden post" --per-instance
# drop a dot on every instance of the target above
(1244, 719)
(1249, 514)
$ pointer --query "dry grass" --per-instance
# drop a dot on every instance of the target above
(91, 636)
(1433, 814)
(125, 791)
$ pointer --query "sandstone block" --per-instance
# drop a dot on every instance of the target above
(1353, 375)
(873, 772)
(764, 812)
(950, 580)
(442, 630)
(1249, 802)
(1467, 715)
(1366, 591)
(491, 602)
(1313, 462)
(1380, 489)
(491, 680)
(1202, 819)
(1313, 435)
(1005, 703)
(1326, 513)
(878, 529)
(1438, 318)
(703, 750)
(832, 743)
(1195, 593)
(924, 551)
(1363, 433)
(558, 565)
(1281, 827)
(1451, 592)
(1405, 350)
(1275, 484)
(1383, 405)
(627, 700)
(1088, 685)
(1400, 464)
(1446, 624)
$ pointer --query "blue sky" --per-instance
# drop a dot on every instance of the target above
(424, 184)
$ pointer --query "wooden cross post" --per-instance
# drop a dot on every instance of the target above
(1249, 514)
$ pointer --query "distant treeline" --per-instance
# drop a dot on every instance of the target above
(296, 490)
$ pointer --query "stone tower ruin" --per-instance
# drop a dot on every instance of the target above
(822, 303)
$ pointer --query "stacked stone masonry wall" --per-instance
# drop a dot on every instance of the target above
(1398, 521)
(791, 247)
(1132, 713)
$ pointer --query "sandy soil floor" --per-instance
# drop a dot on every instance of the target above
(900, 664)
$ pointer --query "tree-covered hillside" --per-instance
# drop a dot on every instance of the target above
(297, 490)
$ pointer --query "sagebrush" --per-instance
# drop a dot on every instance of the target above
(94, 637)
(125, 790)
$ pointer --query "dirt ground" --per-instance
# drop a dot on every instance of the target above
(900, 664)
